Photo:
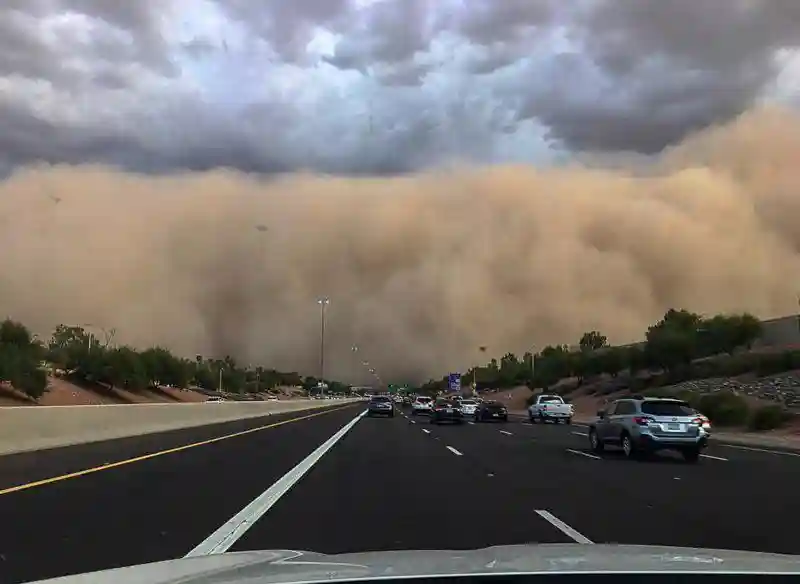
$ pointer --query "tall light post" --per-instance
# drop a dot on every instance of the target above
(354, 349)
(323, 303)
(107, 333)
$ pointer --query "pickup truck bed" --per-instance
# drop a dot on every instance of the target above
(550, 407)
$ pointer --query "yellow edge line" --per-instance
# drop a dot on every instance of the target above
(119, 463)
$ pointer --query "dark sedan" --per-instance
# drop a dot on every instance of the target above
(491, 410)
(446, 411)
(380, 405)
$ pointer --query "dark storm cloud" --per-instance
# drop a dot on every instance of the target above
(137, 21)
(287, 25)
(387, 33)
(488, 21)
(684, 65)
(681, 64)
(402, 84)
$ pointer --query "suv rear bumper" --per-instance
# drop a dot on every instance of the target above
(650, 442)
(381, 412)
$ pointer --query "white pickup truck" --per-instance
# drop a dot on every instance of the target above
(550, 407)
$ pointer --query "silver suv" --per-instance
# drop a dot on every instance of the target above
(644, 425)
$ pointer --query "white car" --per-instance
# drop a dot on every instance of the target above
(550, 408)
(422, 405)
(468, 407)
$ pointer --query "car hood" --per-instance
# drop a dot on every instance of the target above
(288, 566)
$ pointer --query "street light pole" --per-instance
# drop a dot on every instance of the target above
(323, 302)
(354, 349)
(107, 333)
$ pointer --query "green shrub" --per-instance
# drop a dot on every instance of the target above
(659, 392)
(690, 397)
(773, 363)
(678, 374)
(724, 408)
(705, 368)
(768, 417)
(637, 384)
(738, 364)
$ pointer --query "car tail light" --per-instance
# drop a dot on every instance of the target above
(702, 421)
(642, 420)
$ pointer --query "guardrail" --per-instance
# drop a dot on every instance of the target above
(29, 428)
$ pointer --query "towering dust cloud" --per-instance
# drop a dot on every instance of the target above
(420, 270)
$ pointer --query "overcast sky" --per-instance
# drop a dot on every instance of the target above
(378, 86)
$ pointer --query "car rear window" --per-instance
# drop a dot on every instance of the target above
(423, 399)
(667, 409)
(550, 399)
(467, 402)
(380, 399)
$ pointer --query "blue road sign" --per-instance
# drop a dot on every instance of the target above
(454, 382)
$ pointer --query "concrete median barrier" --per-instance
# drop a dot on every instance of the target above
(24, 429)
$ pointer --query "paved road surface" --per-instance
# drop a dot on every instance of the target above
(385, 484)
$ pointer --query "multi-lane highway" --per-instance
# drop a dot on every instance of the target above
(383, 484)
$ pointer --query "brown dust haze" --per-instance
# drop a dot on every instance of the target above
(420, 270)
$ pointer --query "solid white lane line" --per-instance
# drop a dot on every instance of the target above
(426, 430)
(751, 449)
(714, 457)
(227, 535)
(563, 527)
(506, 432)
(454, 451)
(581, 433)
(586, 454)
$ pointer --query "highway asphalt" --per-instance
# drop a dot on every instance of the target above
(386, 484)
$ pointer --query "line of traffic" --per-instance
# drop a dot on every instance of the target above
(342, 471)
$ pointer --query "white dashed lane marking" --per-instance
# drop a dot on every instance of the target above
(586, 454)
(563, 527)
